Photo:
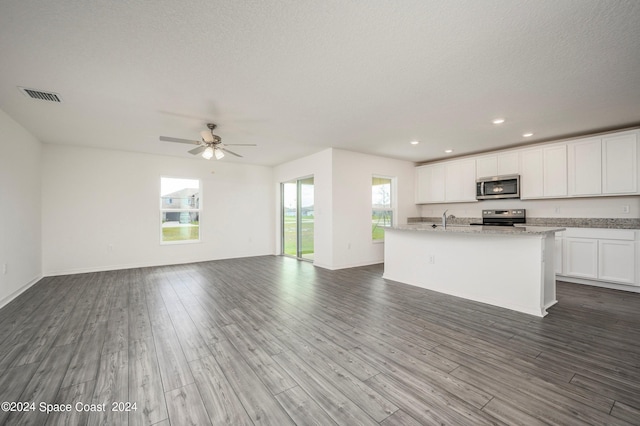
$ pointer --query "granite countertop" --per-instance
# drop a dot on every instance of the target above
(478, 230)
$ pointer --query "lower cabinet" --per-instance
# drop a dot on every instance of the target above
(616, 261)
(580, 258)
(608, 255)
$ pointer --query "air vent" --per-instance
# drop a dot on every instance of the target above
(40, 94)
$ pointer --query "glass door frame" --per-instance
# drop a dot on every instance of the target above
(298, 182)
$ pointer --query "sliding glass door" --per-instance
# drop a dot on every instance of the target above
(298, 218)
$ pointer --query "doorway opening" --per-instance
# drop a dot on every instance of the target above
(298, 218)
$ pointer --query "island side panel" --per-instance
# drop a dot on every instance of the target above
(500, 270)
(549, 289)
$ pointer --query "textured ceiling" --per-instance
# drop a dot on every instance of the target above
(300, 76)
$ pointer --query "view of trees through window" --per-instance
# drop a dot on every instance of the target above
(381, 203)
(179, 209)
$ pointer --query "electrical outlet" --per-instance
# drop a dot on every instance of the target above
(557, 210)
(625, 209)
(4, 269)
(432, 259)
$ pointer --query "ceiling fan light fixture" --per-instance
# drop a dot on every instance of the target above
(219, 154)
(208, 153)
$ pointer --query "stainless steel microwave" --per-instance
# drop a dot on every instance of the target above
(488, 188)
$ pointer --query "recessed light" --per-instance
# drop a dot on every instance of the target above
(414, 142)
(448, 151)
(498, 121)
(527, 135)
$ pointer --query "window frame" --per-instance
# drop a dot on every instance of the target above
(189, 209)
(392, 204)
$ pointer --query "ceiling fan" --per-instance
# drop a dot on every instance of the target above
(211, 145)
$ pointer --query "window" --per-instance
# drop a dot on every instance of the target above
(179, 210)
(382, 210)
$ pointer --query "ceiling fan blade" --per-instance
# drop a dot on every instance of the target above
(169, 139)
(240, 144)
(206, 136)
(230, 152)
(198, 150)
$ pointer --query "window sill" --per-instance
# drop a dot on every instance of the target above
(173, 243)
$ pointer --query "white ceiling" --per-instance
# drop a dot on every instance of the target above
(300, 76)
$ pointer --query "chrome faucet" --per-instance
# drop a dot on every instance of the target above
(444, 219)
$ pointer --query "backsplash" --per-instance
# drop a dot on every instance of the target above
(563, 222)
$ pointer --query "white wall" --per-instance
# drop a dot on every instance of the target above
(352, 173)
(20, 208)
(343, 203)
(600, 207)
(101, 210)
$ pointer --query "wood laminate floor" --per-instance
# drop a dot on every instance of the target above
(274, 341)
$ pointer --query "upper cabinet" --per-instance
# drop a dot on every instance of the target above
(588, 167)
(603, 165)
(620, 163)
(585, 167)
(430, 184)
(460, 183)
(449, 182)
(498, 165)
(543, 172)
(554, 171)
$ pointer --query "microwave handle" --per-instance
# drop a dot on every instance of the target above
(482, 188)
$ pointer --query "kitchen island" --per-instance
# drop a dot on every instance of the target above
(510, 267)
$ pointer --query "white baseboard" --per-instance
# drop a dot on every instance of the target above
(5, 301)
(613, 286)
(139, 265)
(351, 265)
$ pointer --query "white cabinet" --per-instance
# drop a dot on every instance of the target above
(543, 172)
(620, 163)
(585, 167)
(531, 174)
(555, 171)
(603, 165)
(449, 182)
(430, 183)
(498, 165)
(616, 261)
(460, 184)
(581, 258)
(589, 167)
(487, 166)
(608, 255)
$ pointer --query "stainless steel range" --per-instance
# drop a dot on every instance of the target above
(503, 217)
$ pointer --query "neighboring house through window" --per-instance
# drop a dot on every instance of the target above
(382, 206)
(180, 203)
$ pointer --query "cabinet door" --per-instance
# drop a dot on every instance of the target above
(460, 184)
(422, 183)
(584, 167)
(616, 261)
(487, 166)
(580, 258)
(508, 164)
(619, 164)
(430, 182)
(531, 174)
(555, 171)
